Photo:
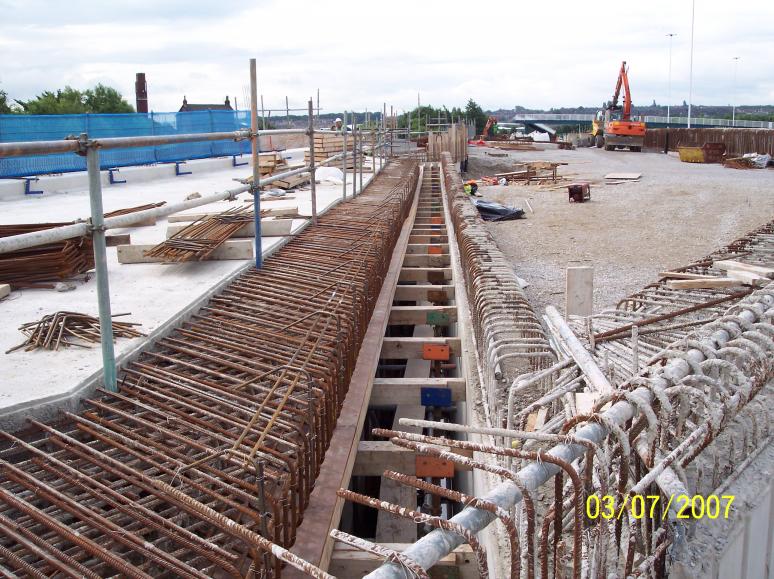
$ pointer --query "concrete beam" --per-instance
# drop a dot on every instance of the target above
(231, 249)
(269, 228)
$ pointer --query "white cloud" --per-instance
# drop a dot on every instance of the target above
(360, 55)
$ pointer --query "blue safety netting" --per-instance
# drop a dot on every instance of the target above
(55, 127)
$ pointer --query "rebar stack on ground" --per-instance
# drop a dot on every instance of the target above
(510, 340)
(35, 266)
(202, 464)
(62, 329)
(199, 239)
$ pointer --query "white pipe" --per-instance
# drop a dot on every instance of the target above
(35, 238)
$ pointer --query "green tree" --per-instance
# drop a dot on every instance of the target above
(100, 99)
(5, 108)
(476, 114)
(105, 99)
(62, 102)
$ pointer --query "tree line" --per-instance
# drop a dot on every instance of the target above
(68, 101)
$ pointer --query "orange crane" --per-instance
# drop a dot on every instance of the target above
(613, 126)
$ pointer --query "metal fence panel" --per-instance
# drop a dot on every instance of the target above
(54, 127)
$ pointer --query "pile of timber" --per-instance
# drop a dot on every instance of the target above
(532, 172)
(329, 144)
(735, 273)
(36, 267)
(199, 239)
(271, 162)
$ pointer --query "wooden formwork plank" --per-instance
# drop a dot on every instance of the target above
(433, 293)
(429, 315)
(431, 274)
(392, 391)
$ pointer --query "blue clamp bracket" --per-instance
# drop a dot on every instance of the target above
(27, 189)
(234, 162)
(435, 397)
(111, 176)
(178, 172)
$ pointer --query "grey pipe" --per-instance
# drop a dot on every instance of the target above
(255, 151)
(437, 544)
(100, 266)
(21, 149)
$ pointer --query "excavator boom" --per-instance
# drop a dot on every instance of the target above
(622, 132)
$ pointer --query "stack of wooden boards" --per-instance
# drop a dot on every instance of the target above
(736, 273)
(273, 163)
(329, 144)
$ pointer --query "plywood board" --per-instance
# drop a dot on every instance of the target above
(624, 176)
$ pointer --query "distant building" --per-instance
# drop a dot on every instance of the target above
(187, 107)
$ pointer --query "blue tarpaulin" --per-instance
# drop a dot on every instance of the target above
(55, 127)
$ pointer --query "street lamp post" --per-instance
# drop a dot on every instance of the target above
(669, 81)
(690, 73)
(733, 104)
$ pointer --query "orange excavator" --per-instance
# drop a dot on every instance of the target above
(490, 122)
(613, 126)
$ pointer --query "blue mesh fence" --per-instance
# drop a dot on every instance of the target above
(55, 127)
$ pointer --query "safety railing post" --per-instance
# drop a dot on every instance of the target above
(354, 155)
(360, 159)
(344, 158)
(256, 149)
(313, 191)
(100, 263)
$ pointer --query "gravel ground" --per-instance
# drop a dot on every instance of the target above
(676, 213)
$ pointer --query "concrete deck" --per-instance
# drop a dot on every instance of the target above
(158, 296)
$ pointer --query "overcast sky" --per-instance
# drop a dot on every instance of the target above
(360, 54)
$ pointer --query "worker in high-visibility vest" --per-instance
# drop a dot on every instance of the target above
(471, 188)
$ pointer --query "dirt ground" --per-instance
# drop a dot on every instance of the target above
(676, 213)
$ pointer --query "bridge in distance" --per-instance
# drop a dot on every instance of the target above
(651, 121)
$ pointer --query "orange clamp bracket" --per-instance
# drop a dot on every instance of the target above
(434, 250)
(435, 352)
(436, 220)
(432, 467)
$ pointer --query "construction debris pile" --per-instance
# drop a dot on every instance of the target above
(535, 172)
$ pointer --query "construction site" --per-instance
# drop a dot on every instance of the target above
(370, 350)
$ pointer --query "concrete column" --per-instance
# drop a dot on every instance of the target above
(579, 292)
